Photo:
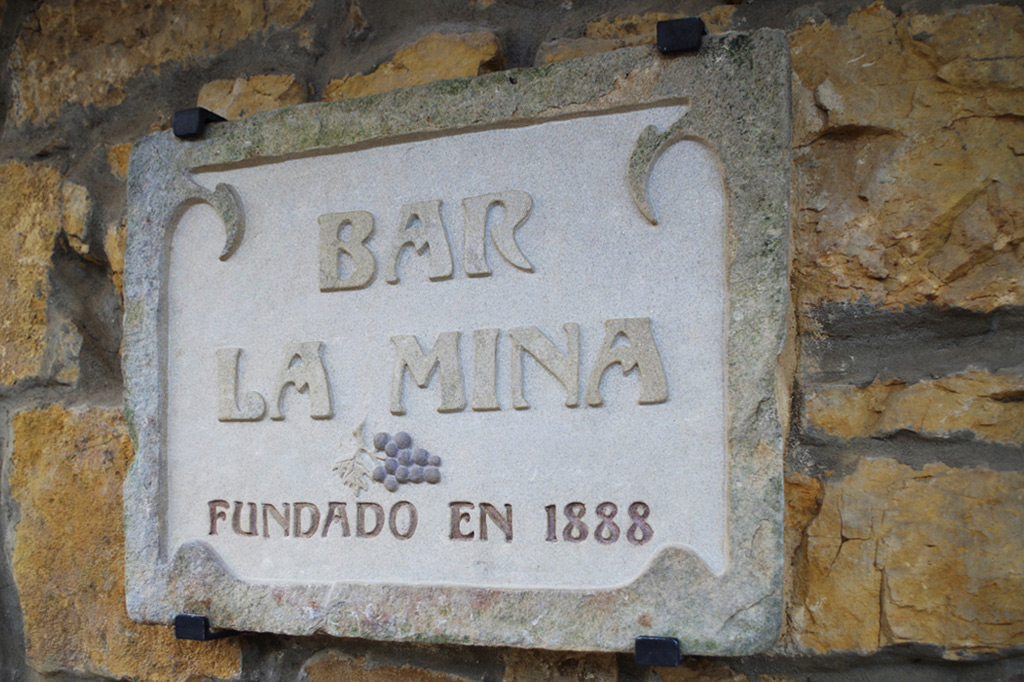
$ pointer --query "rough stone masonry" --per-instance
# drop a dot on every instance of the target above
(905, 521)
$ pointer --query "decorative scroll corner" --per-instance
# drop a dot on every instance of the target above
(228, 203)
(645, 151)
(649, 145)
(224, 199)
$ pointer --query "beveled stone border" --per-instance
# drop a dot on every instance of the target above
(738, 88)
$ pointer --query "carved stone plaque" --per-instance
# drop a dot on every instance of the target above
(493, 361)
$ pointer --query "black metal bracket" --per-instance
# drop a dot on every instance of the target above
(190, 123)
(188, 626)
(680, 35)
(660, 651)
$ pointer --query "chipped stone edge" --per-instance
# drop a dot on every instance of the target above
(737, 87)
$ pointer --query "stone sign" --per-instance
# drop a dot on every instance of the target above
(494, 361)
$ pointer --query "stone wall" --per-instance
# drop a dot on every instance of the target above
(904, 491)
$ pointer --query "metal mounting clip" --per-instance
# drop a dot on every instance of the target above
(189, 123)
(188, 626)
(680, 35)
(660, 651)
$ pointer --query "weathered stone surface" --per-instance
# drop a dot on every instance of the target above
(36, 205)
(63, 353)
(437, 56)
(67, 467)
(234, 99)
(87, 52)
(908, 169)
(356, 20)
(30, 217)
(117, 158)
(113, 245)
(550, 666)
(803, 502)
(335, 666)
(897, 555)
(644, 27)
(76, 206)
(701, 670)
(988, 405)
(641, 27)
(637, 29)
(116, 233)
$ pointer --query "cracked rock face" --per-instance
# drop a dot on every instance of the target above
(909, 159)
(989, 406)
(897, 556)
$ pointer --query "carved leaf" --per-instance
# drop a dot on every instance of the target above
(356, 469)
(354, 473)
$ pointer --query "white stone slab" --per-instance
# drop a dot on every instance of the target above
(263, 511)
(595, 258)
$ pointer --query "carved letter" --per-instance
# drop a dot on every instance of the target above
(363, 265)
(517, 205)
(228, 409)
(282, 519)
(304, 370)
(485, 370)
(504, 522)
(458, 517)
(565, 368)
(393, 520)
(641, 353)
(421, 228)
(216, 514)
(236, 519)
(378, 524)
(314, 520)
(444, 355)
(336, 510)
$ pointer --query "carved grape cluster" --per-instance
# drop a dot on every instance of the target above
(403, 463)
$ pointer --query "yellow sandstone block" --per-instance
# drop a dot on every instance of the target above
(67, 469)
(438, 56)
(988, 405)
(897, 556)
(30, 217)
(113, 245)
(117, 158)
(234, 99)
